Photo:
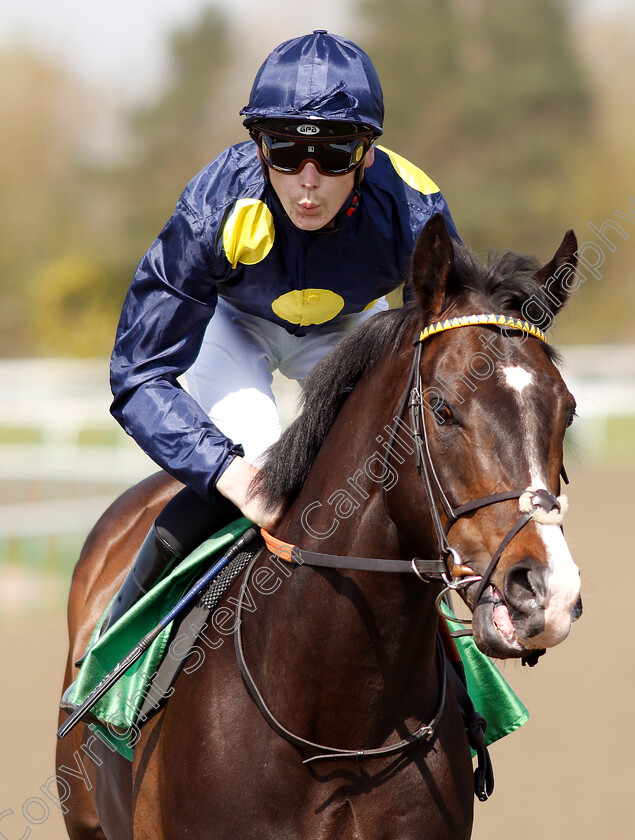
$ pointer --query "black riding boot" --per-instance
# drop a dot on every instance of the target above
(181, 526)
(155, 558)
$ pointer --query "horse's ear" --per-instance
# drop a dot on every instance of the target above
(557, 278)
(433, 266)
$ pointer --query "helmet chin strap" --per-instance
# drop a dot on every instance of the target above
(357, 188)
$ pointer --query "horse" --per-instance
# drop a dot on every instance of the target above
(413, 457)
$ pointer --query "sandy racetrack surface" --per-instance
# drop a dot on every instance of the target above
(567, 774)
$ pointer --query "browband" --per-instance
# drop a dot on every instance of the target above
(504, 321)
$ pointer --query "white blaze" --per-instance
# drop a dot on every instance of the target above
(517, 378)
(564, 578)
(564, 587)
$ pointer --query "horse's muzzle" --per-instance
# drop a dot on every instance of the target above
(528, 614)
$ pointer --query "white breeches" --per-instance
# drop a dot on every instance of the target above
(232, 376)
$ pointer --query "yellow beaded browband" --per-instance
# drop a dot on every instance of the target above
(504, 321)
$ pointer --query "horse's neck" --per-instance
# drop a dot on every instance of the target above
(366, 629)
(340, 508)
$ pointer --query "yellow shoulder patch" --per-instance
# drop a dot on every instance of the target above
(249, 232)
(308, 306)
(411, 174)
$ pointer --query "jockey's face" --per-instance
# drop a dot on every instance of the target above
(312, 200)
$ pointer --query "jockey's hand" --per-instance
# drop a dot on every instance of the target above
(234, 485)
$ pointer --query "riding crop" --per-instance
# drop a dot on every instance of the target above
(140, 648)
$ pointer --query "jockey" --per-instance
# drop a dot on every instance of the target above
(276, 249)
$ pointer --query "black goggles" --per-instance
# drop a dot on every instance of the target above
(331, 157)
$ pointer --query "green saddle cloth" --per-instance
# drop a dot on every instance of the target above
(490, 692)
(118, 708)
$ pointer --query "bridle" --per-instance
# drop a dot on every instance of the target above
(447, 567)
(534, 503)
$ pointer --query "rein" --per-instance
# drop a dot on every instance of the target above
(326, 753)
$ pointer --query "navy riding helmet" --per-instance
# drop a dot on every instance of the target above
(317, 77)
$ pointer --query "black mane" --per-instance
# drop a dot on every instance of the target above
(502, 285)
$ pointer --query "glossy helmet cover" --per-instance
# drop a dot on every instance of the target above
(317, 76)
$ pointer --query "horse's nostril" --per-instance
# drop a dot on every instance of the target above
(523, 582)
(519, 580)
(577, 610)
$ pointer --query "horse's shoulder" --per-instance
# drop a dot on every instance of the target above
(153, 492)
(133, 511)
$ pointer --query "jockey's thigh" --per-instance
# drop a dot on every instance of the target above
(232, 376)
(231, 379)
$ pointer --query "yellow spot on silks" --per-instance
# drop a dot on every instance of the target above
(248, 233)
(411, 174)
(308, 306)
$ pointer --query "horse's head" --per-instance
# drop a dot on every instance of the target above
(495, 410)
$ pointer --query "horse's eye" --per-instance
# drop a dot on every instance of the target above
(442, 412)
(571, 416)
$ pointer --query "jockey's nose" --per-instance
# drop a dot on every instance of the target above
(309, 175)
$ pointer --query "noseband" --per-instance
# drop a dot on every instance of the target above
(535, 503)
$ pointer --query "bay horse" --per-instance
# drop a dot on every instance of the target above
(348, 657)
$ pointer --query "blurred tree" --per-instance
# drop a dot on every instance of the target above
(50, 129)
(39, 148)
(604, 184)
(490, 97)
(523, 116)
(181, 131)
(76, 216)
(72, 312)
